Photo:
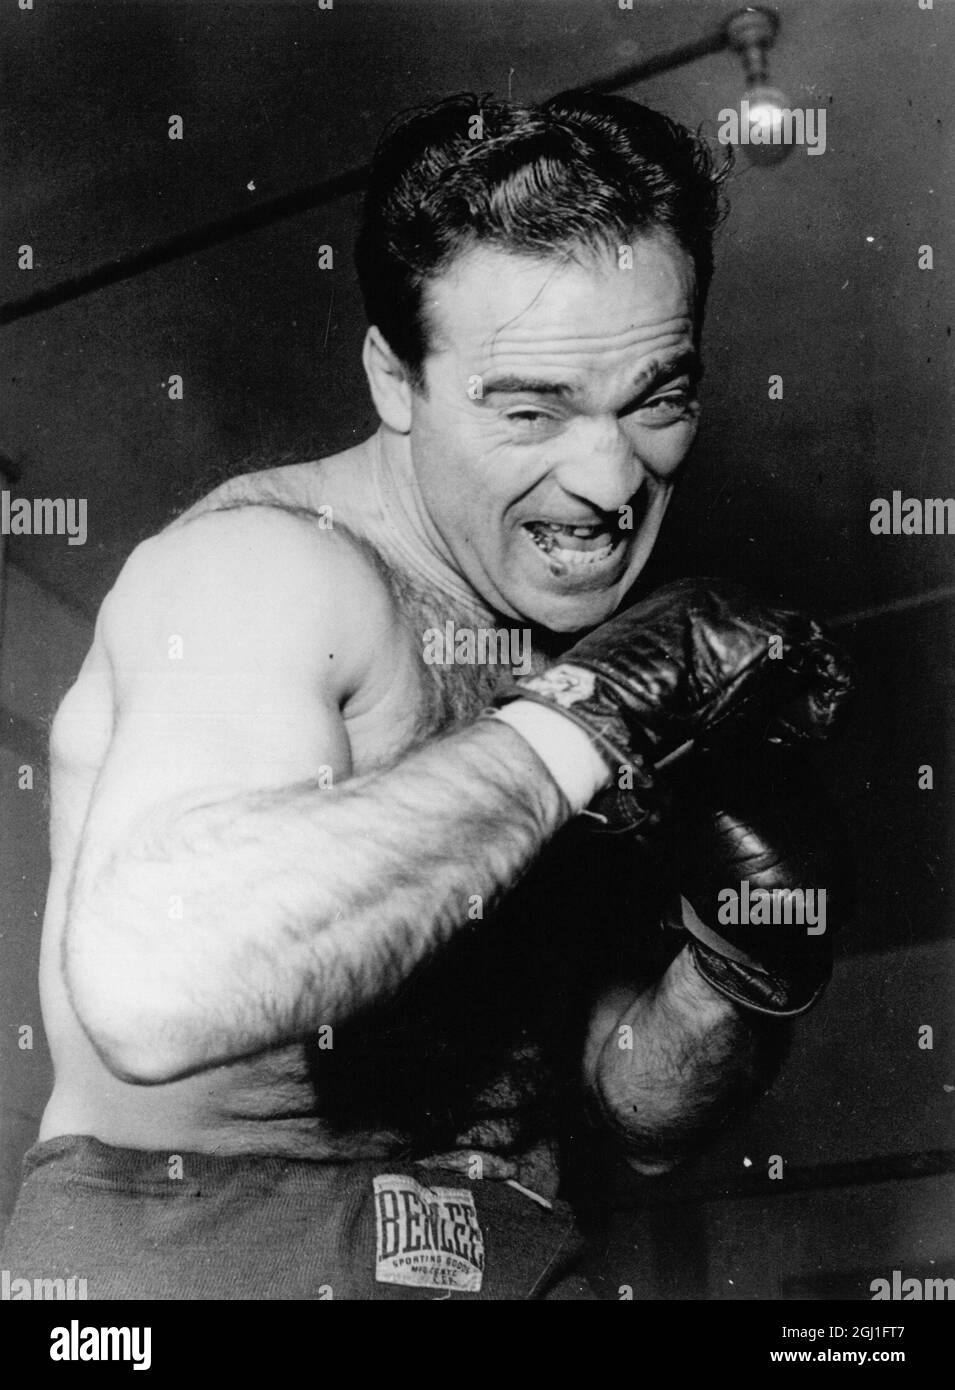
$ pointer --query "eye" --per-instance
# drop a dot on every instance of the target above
(675, 405)
(529, 419)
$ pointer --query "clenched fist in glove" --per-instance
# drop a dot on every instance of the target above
(761, 863)
(693, 663)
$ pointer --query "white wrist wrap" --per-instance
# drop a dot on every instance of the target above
(565, 750)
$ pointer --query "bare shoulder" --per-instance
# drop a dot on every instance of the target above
(319, 486)
(251, 582)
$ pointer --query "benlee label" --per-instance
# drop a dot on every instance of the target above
(565, 685)
(427, 1237)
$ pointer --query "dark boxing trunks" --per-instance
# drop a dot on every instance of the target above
(138, 1224)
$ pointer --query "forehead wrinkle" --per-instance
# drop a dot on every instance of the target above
(517, 363)
(675, 325)
(487, 281)
(490, 342)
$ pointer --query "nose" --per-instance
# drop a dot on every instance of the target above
(598, 463)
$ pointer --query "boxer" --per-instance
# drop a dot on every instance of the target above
(347, 954)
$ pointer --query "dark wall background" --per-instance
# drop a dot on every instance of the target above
(817, 281)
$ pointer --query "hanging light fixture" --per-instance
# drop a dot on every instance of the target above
(751, 33)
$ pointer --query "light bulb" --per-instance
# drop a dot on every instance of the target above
(764, 134)
(751, 33)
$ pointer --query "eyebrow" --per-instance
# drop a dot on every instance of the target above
(513, 385)
(687, 363)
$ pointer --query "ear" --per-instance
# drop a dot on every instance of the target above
(388, 380)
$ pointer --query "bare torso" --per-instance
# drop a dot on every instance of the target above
(447, 1065)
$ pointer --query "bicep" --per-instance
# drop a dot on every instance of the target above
(228, 669)
(208, 743)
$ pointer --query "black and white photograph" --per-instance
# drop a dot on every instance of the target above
(477, 578)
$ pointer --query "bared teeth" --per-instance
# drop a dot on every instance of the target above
(555, 540)
(546, 540)
(558, 526)
(542, 537)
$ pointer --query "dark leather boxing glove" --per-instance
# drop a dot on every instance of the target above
(693, 662)
(762, 864)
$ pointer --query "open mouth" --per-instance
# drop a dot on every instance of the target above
(574, 545)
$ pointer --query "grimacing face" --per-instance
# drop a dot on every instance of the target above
(558, 396)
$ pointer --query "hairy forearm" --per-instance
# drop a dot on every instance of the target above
(250, 921)
(668, 1065)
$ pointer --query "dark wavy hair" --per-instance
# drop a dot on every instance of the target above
(580, 172)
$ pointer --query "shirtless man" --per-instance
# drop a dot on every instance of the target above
(334, 971)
